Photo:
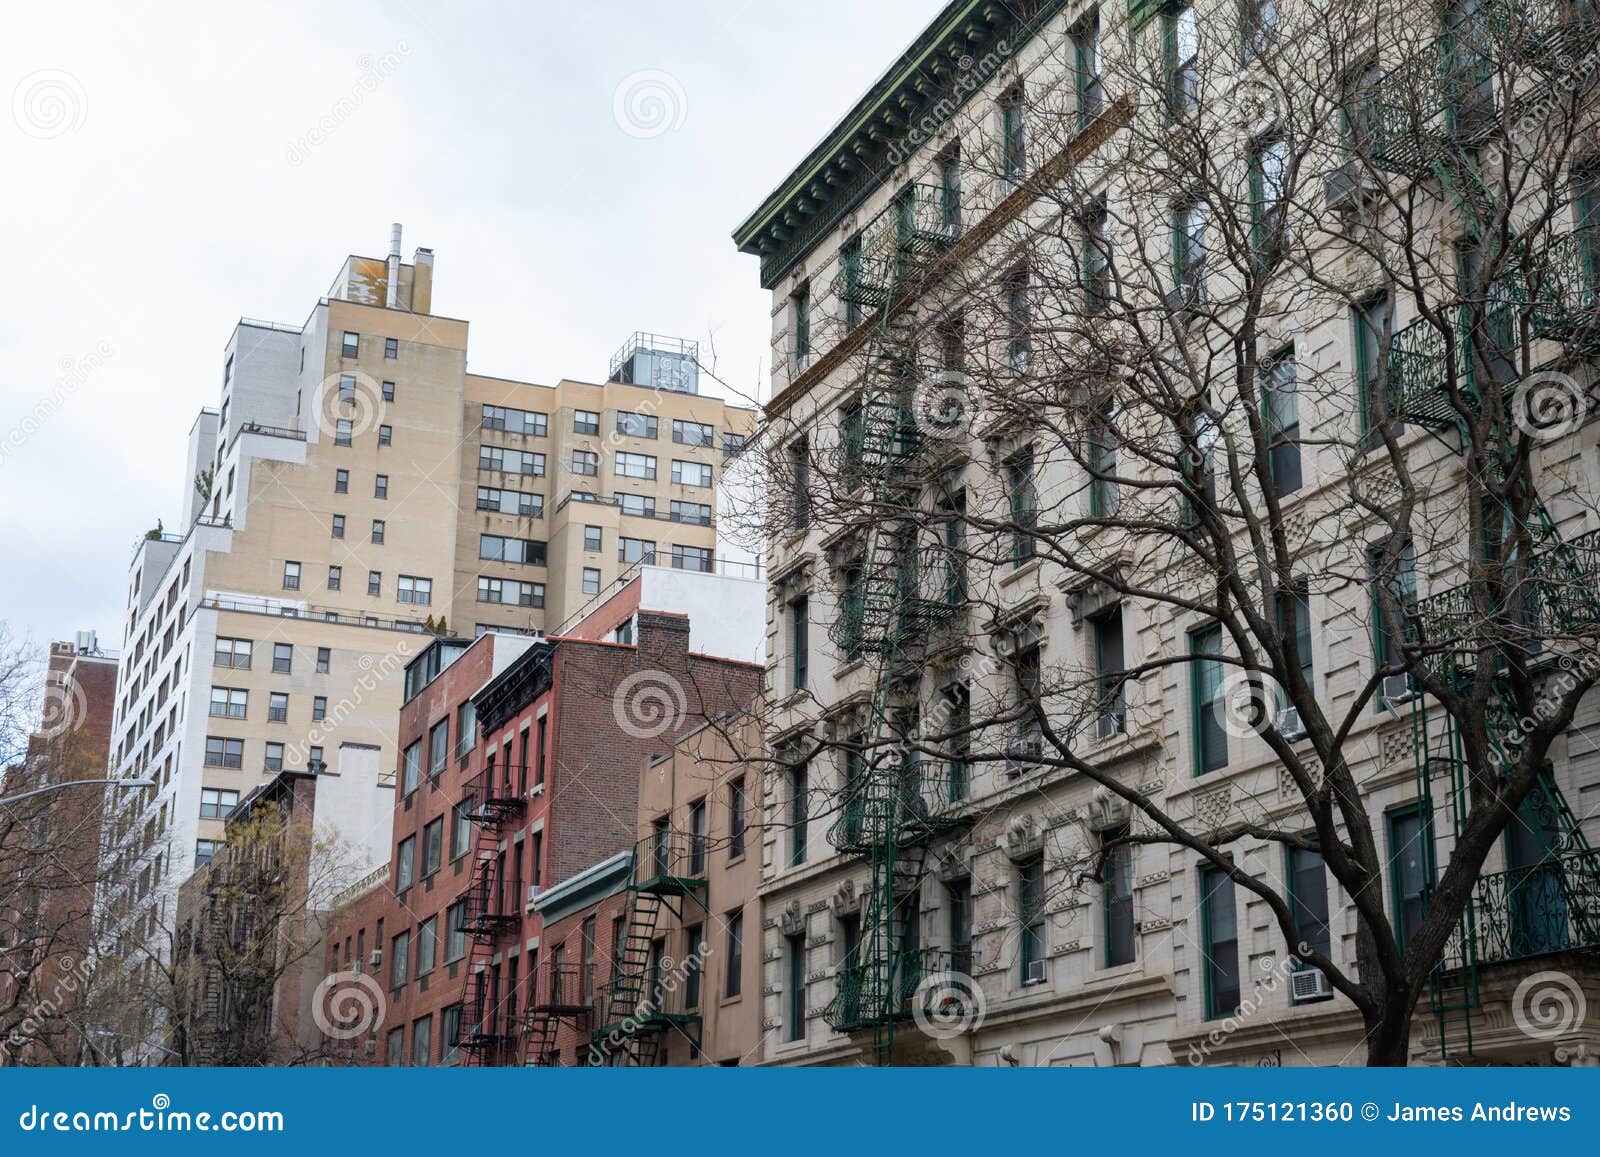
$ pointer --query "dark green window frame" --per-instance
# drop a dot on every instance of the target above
(1369, 323)
(1219, 914)
(1309, 922)
(1405, 923)
(1205, 667)
(1116, 903)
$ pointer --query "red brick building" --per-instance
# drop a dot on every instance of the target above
(520, 768)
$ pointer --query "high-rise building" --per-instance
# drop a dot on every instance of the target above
(356, 487)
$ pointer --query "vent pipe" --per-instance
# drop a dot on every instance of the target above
(394, 266)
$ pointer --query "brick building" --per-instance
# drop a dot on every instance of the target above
(539, 786)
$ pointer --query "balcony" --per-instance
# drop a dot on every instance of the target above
(1564, 300)
(874, 992)
(902, 805)
(922, 222)
(1424, 361)
(670, 863)
(483, 1021)
(564, 990)
(494, 796)
(486, 912)
(1552, 906)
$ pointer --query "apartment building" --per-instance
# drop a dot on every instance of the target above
(355, 488)
(994, 654)
(47, 901)
(516, 808)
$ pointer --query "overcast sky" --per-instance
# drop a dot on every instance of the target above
(576, 168)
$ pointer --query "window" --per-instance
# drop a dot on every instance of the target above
(374, 582)
(585, 422)
(1189, 254)
(511, 461)
(216, 804)
(798, 814)
(1102, 461)
(427, 944)
(347, 387)
(229, 702)
(1281, 409)
(1299, 599)
(850, 265)
(411, 768)
(691, 473)
(949, 163)
(632, 425)
(319, 708)
(1019, 322)
(455, 936)
(351, 347)
(1308, 901)
(335, 577)
(233, 653)
(1030, 918)
(405, 864)
(450, 1035)
(1181, 50)
(282, 658)
(527, 551)
(626, 465)
(1023, 500)
(799, 452)
(586, 462)
(639, 505)
(696, 558)
(438, 748)
(732, 443)
(686, 433)
(1370, 322)
(291, 576)
(380, 486)
(1096, 259)
(591, 538)
(1387, 648)
(324, 659)
(694, 513)
(697, 838)
(733, 982)
(205, 851)
(385, 435)
(417, 591)
(736, 818)
(1014, 136)
(1116, 898)
(1205, 691)
(693, 954)
(541, 745)
(509, 592)
(400, 960)
(391, 347)
(529, 423)
(794, 1020)
(959, 895)
(1219, 942)
(432, 846)
(799, 642)
(591, 581)
(274, 758)
(341, 482)
(394, 1048)
(1258, 27)
(338, 526)
(636, 550)
(1086, 69)
(1410, 869)
(1111, 709)
(388, 391)
(378, 530)
(466, 729)
(516, 502)
(342, 431)
(800, 322)
(1269, 162)
(277, 707)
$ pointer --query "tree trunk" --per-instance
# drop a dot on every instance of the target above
(1389, 1036)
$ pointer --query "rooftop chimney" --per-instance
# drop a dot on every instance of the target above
(394, 266)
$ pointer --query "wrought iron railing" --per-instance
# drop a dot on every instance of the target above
(866, 995)
(1546, 907)
(904, 802)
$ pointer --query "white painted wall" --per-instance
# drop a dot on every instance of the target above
(727, 616)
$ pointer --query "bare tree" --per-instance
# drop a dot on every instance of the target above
(1110, 364)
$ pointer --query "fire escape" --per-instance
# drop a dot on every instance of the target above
(490, 914)
(894, 802)
(1428, 118)
(561, 995)
(642, 1003)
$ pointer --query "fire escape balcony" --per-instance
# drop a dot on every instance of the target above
(865, 995)
(908, 804)
(670, 863)
(486, 914)
(494, 795)
(483, 1027)
(920, 223)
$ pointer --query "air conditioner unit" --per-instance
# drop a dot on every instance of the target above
(1034, 973)
(1395, 689)
(1181, 299)
(376, 959)
(1022, 753)
(802, 363)
(533, 892)
(1288, 723)
(1348, 187)
(1308, 984)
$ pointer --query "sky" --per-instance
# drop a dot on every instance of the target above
(576, 168)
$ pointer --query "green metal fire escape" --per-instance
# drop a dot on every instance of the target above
(894, 802)
(1427, 119)
(642, 1004)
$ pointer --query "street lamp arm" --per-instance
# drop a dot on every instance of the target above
(21, 795)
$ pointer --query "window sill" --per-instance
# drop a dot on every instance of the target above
(1021, 572)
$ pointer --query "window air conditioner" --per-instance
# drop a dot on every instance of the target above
(1395, 689)
(376, 959)
(1308, 984)
(1288, 723)
(1034, 973)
